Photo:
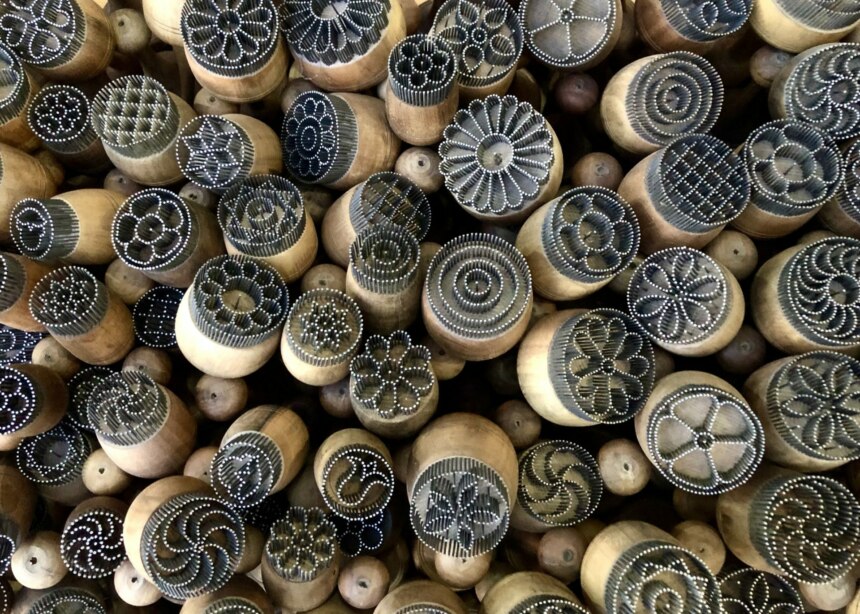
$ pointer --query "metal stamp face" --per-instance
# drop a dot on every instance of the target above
(329, 33)
(154, 316)
(81, 386)
(55, 457)
(568, 34)
(60, 116)
(699, 183)
(262, 215)
(459, 507)
(823, 14)
(706, 21)
(68, 600)
(384, 259)
(191, 545)
(590, 234)
(487, 37)
(16, 346)
(233, 38)
(496, 155)
(324, 327)
(478, 286)
(422, 608)
(19, 399)
(246, 468)
(127, 408)
(357, 482)
(9, 538)
(302, 544)
(547, 604)
(819, 292)
(793, 166)
(847, 197)
(705, 440)
(824, 90)
(214, 152)
(238, 301)
(232, 605)
(679, 296)
(674, 94)
(45, 33)
(14, 85)
(559, 483)
(392, 376)
(656, 576)
(358, 536)
(69, 301)
(12, 281)
(91, 545)
(750, 591)
(808, 527)
(389, 198)
(44, 229)
(422, 69)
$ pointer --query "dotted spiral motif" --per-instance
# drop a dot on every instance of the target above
(656, 576)
(54, 457)
(559, 483)
(421, 70)
(391, 199)
(601, 366)
(81, 386)
(497, 154)
(547, 604)
(674, 94)
(847, 197)
(329, 33)
(245, 469)
(60, 116)
(704, 440)
(14, 85)
(238, 301)
(191, 545)
(459, 507)
(679, 296)
(708, 20)
(230, 37)
(569, 34)
(590, 234)
(127, 408)
(814, 404)
(478, 286)
(750, 591)
(214, 152)
(44, 229)
(487, 38)
(358, 536)
(823, 14)
(91, 545)
(357, 482)
(384, 259)
(808, 527)
(819, 292)
(302, 544)
(324, 327)
(154, 316)
(68, 600)
(18, 400)
(793, 167)
(45, 33)
(69, 301)
(232, 605)
(16, 346)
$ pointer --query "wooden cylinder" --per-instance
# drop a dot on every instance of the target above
(102, 476)
(420, 165)
(21, 89)
(49, 353)
(804, 298)
(624, 468)
(164, 19)
(666, 26)
(363, 582)
(142, 426)
(272, 439)
(421, 594)
(21, 176)
(36, 563)
(527, 589)
(240, 594)
(220, 399)
(796, 26)
(127, 283)
(17, 509)
(34, 401)
(95, 326)
(19, 277)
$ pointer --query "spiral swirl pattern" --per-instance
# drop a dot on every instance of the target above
(16, 346)
(153, 230)
(91, 545)
(81, 386)
(54, 457)
(127, 408)
(18, 400)
(232, 605)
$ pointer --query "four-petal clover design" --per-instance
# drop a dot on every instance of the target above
(41, 32)
(750, 591)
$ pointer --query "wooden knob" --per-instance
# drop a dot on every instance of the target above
(560, 553)
(766, 64)
(577, 93)
(735, 251)
(220, 399)
(324, 276)
(419, 594)
(127, 283)
(597, 169)
(461, 573)
(133, 587)
(519, 421)
(363, 582)
(624, 468)
(37, 563)
(102, 476)
(23, 176)
(49, 353)
(199, 464)
(702, 540)
(745, 353)
(335, 399)
(420, 165)
(830, 596)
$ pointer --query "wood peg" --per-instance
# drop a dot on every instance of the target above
(133, 588)
(519, 421)
(766, 63)
(220, 399)
(735, 251)
(199, 464)
(324, 276)
(420, 165)
(745, 353)
(624, 468)
(704, 541)
(421, 594)
(127, 283)
(153, 362)
(102, 476)
(576, 93)
(207, 103)
(560, 553)
(363, 582)
(527, 589)
(49, 353)
(831, 596)
(133, 38)
(37, 563)
(597, 169)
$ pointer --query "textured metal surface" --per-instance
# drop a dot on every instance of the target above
(16, 346)
(44, 229)
(547, 604)
(246, 468)
(421, 70)
(127, 408)
(55, 457)
(357, 482)
(569, 34)
(12, 281)
(706, 21)
(232, 605)
(822, 14)
(750, 591)
(384, 259)
(302, 544)
(14, 84)
(69, 301)
(68, 600)
(81, 386)
(390, 198)
(154, 316)
(91, 545)
(324, 327)
(214, 152)
(60, 116)
(19, 400)
(45, 33)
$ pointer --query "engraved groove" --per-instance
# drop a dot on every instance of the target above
(127, 408)
(357, 482)
(14, 84)
(154, 316)
(45, 33)
(55, 457)
(60, 116)
(750, 591)
(81, 387)
(16, 346)
(384, 259)
(302, 545)
(389, 198)
(421, 70)
(214, 152)
(324, 327)
(707, 20)
(246, 468)
(44, 229)
(91, 545)
(20, 398)
(69, 301)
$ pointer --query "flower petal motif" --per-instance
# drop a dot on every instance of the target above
(214, 152)
(302, 544)
(42, 32)
(749, 591)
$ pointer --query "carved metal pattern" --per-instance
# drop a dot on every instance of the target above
(700, 183)
(421, 70)
(547, 604)
(657, 576)
(262, 215)
(238, 301)
(9, 536)
(497, 154)
(678, 295)
(847, 197)
(302, 545)
(44, 230)
(384, 259)
(324, 327)
(750, 591)
(392, 376)
(819, 290)
(60, 116)
(69, 301)
(459, 507)
(824, 90)
(389, 198)
(81, 386)
(45, 33)
(793, 166)
(674, 94)
(486, 36)
(54, 457)
(705, 440)
(13, 278)
(126, 408)
(823, 14)
(478, 285)
(16, 346)
(590, 234)
(246, 468)
(19, 398)
(232, 605)
(357, 482)
(230, 37)
(358, 536)
(807, 526)
(154, 316)
(14, 84)
(191, 545)
(214, 152)
(91, 545)
(68, 600)
(559, 483)
(709, 20)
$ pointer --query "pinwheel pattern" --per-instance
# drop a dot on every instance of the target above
(126, 408)
(54, 457)
(91, 545)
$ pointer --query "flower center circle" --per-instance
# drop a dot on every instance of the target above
(229, 21)
(495, 152)
(705, 441)
(844, 290)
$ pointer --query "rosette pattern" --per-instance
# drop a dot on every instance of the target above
(42, 32)
(91, 545)
(302, 544)
(750, 591)
(214, 152)
(152, 230)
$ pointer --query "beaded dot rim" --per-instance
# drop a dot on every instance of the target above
(302, 545)
(16, 346)
(704, 440)
(750, 590)
(421, 70)
(560, 483)
(91, 545)
(590, 234)
(126, 408)
(384, 259)
(20, 400)
(357, 482)
(44, 33)
(81, 387)
(324, 327)
(847, 197)
(819, 292)
(154, 316)
(679, 296)
(459, 507)
(709, 21)
(546, 604)
(214, 152)
(9, 536)
(238, 301)
(823, 14)
(14, 84)
(478, 286)
(357, 536)
(392, 199)
(232, 605)
(246, 468)
(55, 457)
(44, 229)
(12, 281)
(68, 599)
(69, 301)
(497, 155)
(60, 116)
